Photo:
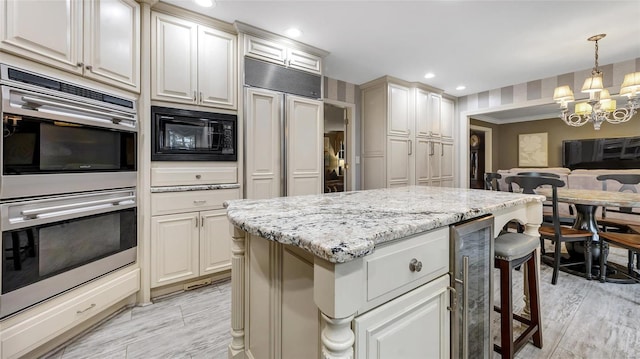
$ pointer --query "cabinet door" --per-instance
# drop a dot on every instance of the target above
(446, 162)
(423, 128)
(215, 242)
(112, 42)
(174, 59)
(265, 50)
(435, 158)
(447, 118)
(415, 325)
(399, 123)
(398, 167)
(434, 114)
(263, 144)
(174, 248)
(44, 31)
(304, 146)
(216, 68)
(304, 61)
(423, 151)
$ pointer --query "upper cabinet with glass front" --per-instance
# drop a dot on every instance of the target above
(98, 39)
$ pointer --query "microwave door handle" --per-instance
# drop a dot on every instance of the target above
(34, 213)
(116, 118)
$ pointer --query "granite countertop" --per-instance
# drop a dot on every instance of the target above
(203, 187)
(346, 225)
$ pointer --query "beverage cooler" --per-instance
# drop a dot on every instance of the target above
(471, 271)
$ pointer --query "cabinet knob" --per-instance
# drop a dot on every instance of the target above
(198, 176)
(415, 265)
(79, 64)
(89, 67)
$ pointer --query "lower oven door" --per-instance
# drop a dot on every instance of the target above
(51, 245)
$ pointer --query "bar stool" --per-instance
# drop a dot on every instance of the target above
(512, 250)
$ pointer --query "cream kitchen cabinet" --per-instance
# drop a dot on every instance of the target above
(98, 39)
(406, 140)
(279, 53)
(189, 235)
(25, 332)
(189, 245)
(192, 63)
(415, 325)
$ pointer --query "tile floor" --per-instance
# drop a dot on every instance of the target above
(582, 319)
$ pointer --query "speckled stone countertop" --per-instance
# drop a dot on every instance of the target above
(206, 187)
(342, 226)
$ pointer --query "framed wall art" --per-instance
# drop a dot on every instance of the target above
(532, 150)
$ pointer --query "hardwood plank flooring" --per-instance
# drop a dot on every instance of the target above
(581, 319)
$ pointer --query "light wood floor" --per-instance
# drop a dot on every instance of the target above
(582, 319)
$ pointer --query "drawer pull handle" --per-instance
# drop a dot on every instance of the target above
(198, 176)
(199, 201)
(415, 265)
(84, 310)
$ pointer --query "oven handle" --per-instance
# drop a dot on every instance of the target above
(116, 118)
(34, 213)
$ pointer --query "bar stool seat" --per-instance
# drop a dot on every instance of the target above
(512, 250)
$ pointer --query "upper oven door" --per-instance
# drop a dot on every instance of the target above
(51, 146)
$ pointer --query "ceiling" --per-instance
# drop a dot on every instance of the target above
(482, 45)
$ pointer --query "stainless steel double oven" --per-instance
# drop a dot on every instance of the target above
(67, 187)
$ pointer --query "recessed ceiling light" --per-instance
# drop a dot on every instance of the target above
(293, 32)
(205, 3)
(461, 87)
(429, 75)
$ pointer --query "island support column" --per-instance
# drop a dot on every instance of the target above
(338, 292)
(236, 348)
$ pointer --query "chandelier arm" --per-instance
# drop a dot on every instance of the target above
(573, 119)
(621, 115)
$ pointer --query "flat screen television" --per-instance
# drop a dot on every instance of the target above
(601, 153)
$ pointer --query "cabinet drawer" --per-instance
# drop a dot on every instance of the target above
(176, 176)
(388, 269)
(174, 202)
(33, 332)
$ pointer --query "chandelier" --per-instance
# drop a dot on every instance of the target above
(600, 107)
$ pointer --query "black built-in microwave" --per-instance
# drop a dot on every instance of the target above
(185, 135)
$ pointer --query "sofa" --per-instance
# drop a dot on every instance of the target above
(578, 179)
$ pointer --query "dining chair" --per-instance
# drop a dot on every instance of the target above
(491, 182)
(555, 231)
(629, 183)
(546, 206)
(628, 241)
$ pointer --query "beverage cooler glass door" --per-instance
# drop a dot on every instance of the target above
(471, 267)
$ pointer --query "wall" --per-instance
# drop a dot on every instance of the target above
(506, 137)
(532, 93)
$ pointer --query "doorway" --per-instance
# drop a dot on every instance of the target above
(337, 151)
(480, 155)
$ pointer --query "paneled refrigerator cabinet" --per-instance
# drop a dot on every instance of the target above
(284, 132)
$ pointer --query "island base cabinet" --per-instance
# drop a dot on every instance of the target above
(415, 325)
(283, 319)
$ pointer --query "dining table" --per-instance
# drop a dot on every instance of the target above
(586, 203)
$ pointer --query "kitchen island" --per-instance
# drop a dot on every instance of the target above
(361, 273)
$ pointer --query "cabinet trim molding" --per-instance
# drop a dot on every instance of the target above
(244, 28)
